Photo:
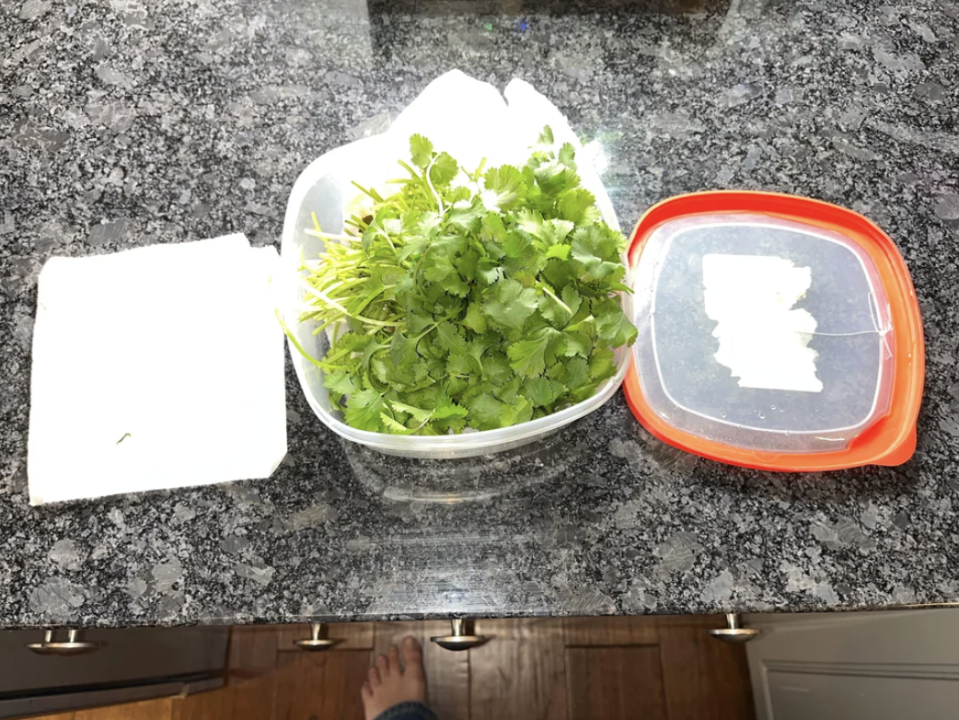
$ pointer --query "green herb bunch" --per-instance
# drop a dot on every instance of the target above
(469, 299)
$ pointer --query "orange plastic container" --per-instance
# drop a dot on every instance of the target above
(776, 332)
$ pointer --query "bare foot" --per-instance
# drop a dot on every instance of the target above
(390, 684)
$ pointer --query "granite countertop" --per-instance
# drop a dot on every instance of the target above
(124, 123)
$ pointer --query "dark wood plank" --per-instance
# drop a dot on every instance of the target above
(520, 674)
(251, 664)
(159, 709)
(320, 685)
(215, 704)
(597, 631)
(447, 673)
(252, 652)
(349, 636)
(615, 683)
(706, 621)
(703, 678)
(249, 696)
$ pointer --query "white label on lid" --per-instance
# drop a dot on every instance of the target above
(762, 339)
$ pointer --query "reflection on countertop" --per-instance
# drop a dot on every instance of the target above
(130, 123)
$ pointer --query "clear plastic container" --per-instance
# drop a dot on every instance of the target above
(324, 187)
(761, 333)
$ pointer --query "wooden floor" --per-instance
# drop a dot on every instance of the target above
(662, 668)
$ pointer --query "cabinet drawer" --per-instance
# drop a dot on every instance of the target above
(126, 656)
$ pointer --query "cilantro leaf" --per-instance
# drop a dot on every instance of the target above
(554, 178)
(489, 271)
(443, 170)
(486, 412)
(419, 415)
(505, 186)
(553, 309)
(522, 257)
(518, 411)
(511, 304)
(555, 231)
(467, 215)
(393, 425)
(542, 391)
(597, 252)
(601, 364)
(438, 269)
(475, 320)
(529, 221)
(403, 351)
(496, 368)
(572, 299)
(446, 408)
(466, 264)
(363, 410)
(449, 338)
(493, 229)
(578, 206)
(421, 151)
(615, 328)
(528, 357)
(575, 343)
(577, 372)
(340, 381)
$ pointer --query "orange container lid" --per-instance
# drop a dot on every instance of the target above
(775, 332)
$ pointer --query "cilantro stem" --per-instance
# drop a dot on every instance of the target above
(296, 343)
(370, 192)
(553, 295)
(330, 301)
(332, 236)
(479, 171)
(426, 175)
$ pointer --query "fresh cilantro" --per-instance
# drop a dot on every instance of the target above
(510, 304)
(443, 170)
(615, 328)
(363, 410)
(485, 412)
(528, 357)
(421, 151)
(505, 186)
(597, 249)
(470, 298)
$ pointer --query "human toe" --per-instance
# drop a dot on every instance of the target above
(413, 655)
(394, 659)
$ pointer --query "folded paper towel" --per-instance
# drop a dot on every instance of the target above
(472, 121)
(154, 368)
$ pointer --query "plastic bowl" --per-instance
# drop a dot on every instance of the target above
(323, 188)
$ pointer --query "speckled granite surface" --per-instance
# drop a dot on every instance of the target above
(124, 123)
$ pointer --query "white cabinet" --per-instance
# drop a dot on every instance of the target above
(852, 666)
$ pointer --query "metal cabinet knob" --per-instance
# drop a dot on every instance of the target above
(734, 632)
(459, 639)
(74, 645)
(315, 642)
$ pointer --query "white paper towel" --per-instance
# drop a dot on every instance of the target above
(153, 368)
(471, 120)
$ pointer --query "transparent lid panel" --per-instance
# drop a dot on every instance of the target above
(761, 333)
